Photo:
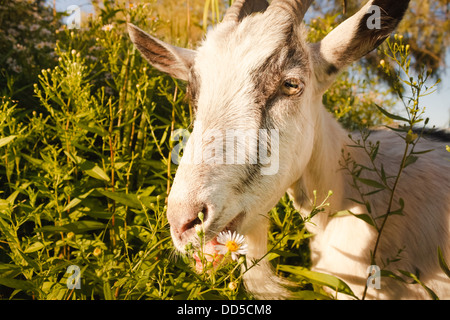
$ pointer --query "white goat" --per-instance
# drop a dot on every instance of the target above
(256, 71)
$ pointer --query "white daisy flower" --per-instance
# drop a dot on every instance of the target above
(34, 27)
(107, 27)
(40, 45)
(233, 243)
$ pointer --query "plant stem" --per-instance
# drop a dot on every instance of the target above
(411, 122)
(111, 153)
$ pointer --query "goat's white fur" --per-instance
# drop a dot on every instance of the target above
(310, 150)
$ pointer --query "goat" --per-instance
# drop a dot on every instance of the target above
(256, 71)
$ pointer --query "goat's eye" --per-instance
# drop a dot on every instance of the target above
(292, 86)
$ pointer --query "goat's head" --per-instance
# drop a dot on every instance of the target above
(255, 70)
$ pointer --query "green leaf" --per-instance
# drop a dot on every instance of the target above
(319, 278)
(6, 140)
(363, 216)
(109, 294)
(399, 211)
(11, 237)
(390, 115)
(383, 175)
(129, 200)
(85, 225)
(341, 213)
(283, 253)
(416, 280)
(4, 204)
(354, 200)
(442, 263)
(12, 197)
(374, 152)
(371, 183)
(75, 227)
(422, 152)
(93, 128)
(93, 170)
(38, 163)
(75, 201)
(17, 284)
(398, 129)
(373, 192)
(410, 160)
(89, 167)
(366, 218)
(34, 247)
(8, 267)
(390, 274)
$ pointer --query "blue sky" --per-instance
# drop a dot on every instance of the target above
(438, 103)
(62, 5)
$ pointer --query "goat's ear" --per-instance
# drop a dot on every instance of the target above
(355, 37)
(172, 60)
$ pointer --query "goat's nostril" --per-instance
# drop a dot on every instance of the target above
(196, 220)
(190, 225)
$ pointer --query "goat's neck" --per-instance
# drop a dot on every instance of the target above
(323, 172)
